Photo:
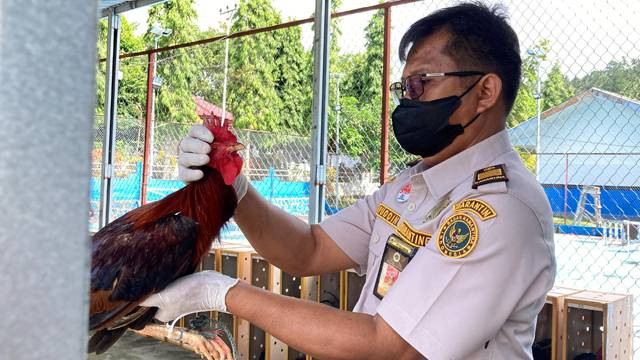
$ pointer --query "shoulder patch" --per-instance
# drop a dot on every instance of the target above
(387, 214)
(489, 175)
(483, 210)
(457, 236)
(414, 237)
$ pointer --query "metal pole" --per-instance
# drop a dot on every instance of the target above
(384, 124)
(338, 76)
(148, 128)
(320, 105)
(47, 112)
(152, 127)
(538, 96)
(566, 185)
(110, 117)
(226, 65)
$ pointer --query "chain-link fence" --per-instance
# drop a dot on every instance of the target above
(583, 144)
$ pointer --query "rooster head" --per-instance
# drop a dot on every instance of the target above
(224, 149)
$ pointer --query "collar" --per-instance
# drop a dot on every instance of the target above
(447, 175)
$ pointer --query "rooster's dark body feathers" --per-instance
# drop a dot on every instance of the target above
(146, 249)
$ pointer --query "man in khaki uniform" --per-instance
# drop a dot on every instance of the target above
(458, 249)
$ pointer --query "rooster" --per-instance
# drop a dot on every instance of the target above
(143, 251)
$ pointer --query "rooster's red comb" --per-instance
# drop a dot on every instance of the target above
(229, 164)
(220, 130)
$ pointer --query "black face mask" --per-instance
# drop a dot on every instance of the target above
(422, 127)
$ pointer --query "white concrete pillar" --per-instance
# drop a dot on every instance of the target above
(47, 99)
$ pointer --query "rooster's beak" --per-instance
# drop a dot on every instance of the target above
(235, 147)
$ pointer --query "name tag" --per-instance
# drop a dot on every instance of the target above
(397, 254)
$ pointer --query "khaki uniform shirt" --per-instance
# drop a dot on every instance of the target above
(484, 258)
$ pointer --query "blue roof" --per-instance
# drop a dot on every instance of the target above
(590, 139)
(594, 121)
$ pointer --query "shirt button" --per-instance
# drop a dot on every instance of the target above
(376, 238)
(411, 207)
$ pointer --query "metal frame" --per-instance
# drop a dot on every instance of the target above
(110, 116)
(384, 121)
(318, 166)
(148, 126)
(321, 43)
(126, 6)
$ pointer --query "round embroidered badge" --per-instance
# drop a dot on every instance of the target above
(457, 236)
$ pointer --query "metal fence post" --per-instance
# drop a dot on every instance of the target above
(384, 141)
(320, 110)
(110, 116)
(47, 72)
(147, 128)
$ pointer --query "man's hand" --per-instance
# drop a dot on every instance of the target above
(194, 152)
(202, 291)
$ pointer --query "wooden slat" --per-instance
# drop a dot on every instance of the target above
(597, 320)
(276, 349)
(257, 337)
(309, 290)
(243, 326)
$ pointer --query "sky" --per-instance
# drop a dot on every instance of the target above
(584, 34)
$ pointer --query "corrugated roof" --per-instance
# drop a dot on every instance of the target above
(599, 132)
(204, 107)
(593, 121)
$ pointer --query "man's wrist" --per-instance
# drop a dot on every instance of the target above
(235, 292)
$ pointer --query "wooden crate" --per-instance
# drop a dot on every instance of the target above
(241, 261)
(331, 290)
(550, 323)
(252, 342)
(353, 287)
(597, 322)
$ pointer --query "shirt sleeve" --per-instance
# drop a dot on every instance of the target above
(351, 227)
(448, 308)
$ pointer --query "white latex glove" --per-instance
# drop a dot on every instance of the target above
(194, 151)
(201, 291)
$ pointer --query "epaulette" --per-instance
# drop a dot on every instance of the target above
(488, 175)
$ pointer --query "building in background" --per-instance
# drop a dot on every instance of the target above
(589, 156)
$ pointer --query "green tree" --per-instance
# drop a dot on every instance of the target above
(294, 80)
(525, 105)
(181, 68)
(361, 100)
(132, 86)
(131, 92)
(366, 78)
(210, 77)
(621, 77)
(252, 94)
(556, 88)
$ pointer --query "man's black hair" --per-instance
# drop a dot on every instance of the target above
(480, 39)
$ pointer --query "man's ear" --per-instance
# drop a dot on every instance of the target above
(490, 88)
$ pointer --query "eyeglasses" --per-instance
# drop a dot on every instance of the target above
(413, 85)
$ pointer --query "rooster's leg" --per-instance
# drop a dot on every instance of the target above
(211, 349)
(203, 344)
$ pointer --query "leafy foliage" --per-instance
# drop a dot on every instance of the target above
(270, 78)
(621, 77)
